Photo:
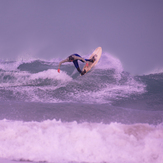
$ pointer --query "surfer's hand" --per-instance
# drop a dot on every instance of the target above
(87, 64)
(58, 70)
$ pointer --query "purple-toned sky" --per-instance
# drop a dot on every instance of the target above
(131, 30)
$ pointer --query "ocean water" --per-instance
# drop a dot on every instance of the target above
(105, 116)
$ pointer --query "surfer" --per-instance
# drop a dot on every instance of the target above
(74, 58)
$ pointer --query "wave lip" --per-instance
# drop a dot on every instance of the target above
(56, 141)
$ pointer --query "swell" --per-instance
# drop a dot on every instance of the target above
(96, 86)
(107, 82)
(39, 81)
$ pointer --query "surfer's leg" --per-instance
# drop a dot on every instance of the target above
(77, 55)
(90, 60)
(77, 66)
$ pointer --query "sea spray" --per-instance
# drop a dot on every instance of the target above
(39, 81)
(56, 141)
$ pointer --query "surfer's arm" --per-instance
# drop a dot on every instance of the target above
(66, 60)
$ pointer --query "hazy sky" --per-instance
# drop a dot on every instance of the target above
(131, 30)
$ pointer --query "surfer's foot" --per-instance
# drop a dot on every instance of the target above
(83, 72)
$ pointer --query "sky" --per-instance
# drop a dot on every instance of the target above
(131, 30)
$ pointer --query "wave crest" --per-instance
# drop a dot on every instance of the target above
(56, 141)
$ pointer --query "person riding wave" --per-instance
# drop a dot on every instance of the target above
(74, 58)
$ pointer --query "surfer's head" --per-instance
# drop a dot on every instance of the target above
(71, 58)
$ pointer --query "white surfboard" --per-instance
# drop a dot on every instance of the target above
(97, 55)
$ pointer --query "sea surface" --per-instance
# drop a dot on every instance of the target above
(105, 116)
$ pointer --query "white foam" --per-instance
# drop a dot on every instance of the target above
(55, 141)
(34, 86)
(155, 71)
(9, 66)
(22, 77)
(13, 161)
(25, 86)
(116, 91)
(51, 74)
(109, 92)
(109, 61)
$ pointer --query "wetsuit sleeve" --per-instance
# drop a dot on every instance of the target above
(66, 60)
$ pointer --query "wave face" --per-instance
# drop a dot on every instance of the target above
(39, 81)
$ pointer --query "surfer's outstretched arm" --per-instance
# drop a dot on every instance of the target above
(66, 60)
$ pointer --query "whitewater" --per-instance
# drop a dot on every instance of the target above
(107, 115)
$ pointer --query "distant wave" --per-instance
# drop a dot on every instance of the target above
(155, 71)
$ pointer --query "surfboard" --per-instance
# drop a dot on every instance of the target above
(96, 55)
